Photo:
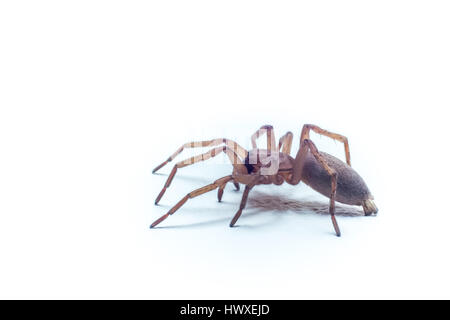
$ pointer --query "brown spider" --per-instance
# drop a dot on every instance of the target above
(322, 172)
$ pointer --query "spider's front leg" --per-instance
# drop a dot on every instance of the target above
(297, 173)
(216, 184)
(222, 187)
(242, 205)
(206, 143)
(233, 157)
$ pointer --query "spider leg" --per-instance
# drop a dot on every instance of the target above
(191, 195)
(234, 158)
(268, 130)
(242, 205)
(207, 143)
(308, 145)
(285, 143)
(270, 156)
(308, 127)
(222, 187)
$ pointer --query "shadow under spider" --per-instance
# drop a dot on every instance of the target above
(260, 202)
(270, 202)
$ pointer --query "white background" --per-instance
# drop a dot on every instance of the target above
(95, 94)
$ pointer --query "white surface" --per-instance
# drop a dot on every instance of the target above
(95, 94)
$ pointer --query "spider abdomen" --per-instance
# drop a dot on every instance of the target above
(351, 188)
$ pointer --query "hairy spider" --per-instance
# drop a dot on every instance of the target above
(321, 171)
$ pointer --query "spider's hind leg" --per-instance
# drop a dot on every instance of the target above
(308, 127)
(309, 146)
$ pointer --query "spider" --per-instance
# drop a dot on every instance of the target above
(321, 171)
